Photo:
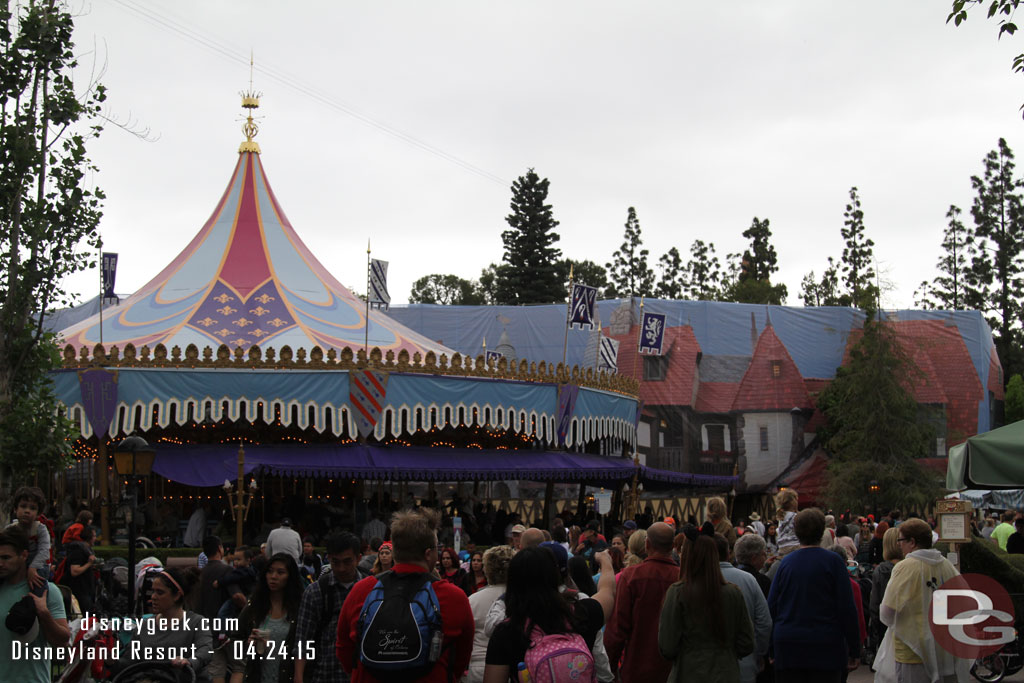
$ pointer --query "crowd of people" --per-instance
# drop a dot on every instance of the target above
(804, 596)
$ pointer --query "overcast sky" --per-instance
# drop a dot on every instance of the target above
(406, 122)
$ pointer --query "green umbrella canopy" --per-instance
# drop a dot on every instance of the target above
(992, 460)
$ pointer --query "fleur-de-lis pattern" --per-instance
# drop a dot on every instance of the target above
(271, 312)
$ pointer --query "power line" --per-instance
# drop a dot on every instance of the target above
(214, 45)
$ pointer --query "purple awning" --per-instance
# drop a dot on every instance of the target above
(210, 465)
(653, 475)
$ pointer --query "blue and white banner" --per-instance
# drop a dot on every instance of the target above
(378, 284)
(609, 355)
(652, 333)
(493, 355)
(581, 309)
(109, 274)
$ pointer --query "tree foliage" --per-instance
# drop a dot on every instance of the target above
(1013, 407)
(672, 284)
(445, 289)
(703, 272)
(996, 262)
(586, 272)
(532, 276)
(946, 291)
(823, 291)
(757, 265)
(628, 271)
(1002, 10)
(875, 430)
(858, 272)
(48, 216)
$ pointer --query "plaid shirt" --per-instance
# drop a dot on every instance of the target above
(318, 622)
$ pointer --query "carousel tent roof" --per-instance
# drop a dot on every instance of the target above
(246, 279)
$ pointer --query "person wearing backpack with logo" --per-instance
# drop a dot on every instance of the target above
(547, 637)
(407, 624)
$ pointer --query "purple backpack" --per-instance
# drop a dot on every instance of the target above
(559, 658)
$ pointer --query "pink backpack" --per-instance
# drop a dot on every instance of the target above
(559, 658)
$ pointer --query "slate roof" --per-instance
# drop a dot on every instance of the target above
(765, 389)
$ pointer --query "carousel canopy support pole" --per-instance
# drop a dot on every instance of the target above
(102, 462)
(580, 500)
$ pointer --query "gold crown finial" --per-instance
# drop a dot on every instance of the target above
(251, 102)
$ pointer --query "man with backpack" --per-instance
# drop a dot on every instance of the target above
(406, 624)
(318, 612)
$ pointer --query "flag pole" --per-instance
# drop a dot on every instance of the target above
(568, 316)
(366, 336)
(102, 292)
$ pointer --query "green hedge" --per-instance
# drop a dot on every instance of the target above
(985, 557)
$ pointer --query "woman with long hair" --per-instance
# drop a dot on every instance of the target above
(892, 553)
(579, 572)
(534, 605)
(267, 624)
(176, 628)
(451, 569)
(385, 560)
(771, 537)
(475, 578)
(705, 628)
(863, 541)
(495, 564)
(637, 546)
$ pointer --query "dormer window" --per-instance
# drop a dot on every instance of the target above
(655, 368)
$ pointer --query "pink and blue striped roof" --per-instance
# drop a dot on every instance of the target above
(246, 279)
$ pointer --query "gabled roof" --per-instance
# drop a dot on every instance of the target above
(679, 388)
(772, 382)
(246, 279)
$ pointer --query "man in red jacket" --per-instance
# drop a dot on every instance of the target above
(414, 547)
(632, 633)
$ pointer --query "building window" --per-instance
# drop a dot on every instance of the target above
(776, 368)
(655, 368)
(715, 437)
(764, 438)
(940, 447)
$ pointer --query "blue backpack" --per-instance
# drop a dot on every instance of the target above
(400, 634)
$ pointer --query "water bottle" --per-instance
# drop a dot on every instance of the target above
(435, 645)
(524, 673)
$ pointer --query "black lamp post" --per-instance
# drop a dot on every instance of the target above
(874, 488)
(133, 458)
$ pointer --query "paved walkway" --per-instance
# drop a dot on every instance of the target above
(864, 675)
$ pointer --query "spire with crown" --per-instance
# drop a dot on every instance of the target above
(250, 102)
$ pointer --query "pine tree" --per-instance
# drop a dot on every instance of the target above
(858, 256)
(874, 429)
(532, 275)
(628, 271)
(757, 265)
(1013, 406)
(703, 272)
(946, 291)
(672, 284)
(999, 232)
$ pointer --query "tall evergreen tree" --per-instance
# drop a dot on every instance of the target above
(996, 263)
(947, 290)
(757, 265)
(703, 272)
(874, 429)
(628, 271)
(672, 284)
(858, 256)
(532, 275)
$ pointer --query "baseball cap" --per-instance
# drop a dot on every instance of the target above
(287, 521)
(593, 525)
(668, 520)
(630, 524)
(518, 529)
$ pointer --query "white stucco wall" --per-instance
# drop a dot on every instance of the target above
(763, 466)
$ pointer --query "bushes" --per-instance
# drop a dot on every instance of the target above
(985, 557)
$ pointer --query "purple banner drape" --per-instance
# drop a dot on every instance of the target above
(99, 398)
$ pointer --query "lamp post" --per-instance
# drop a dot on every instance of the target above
(133, 458)
(243, 500)
(874, 488)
